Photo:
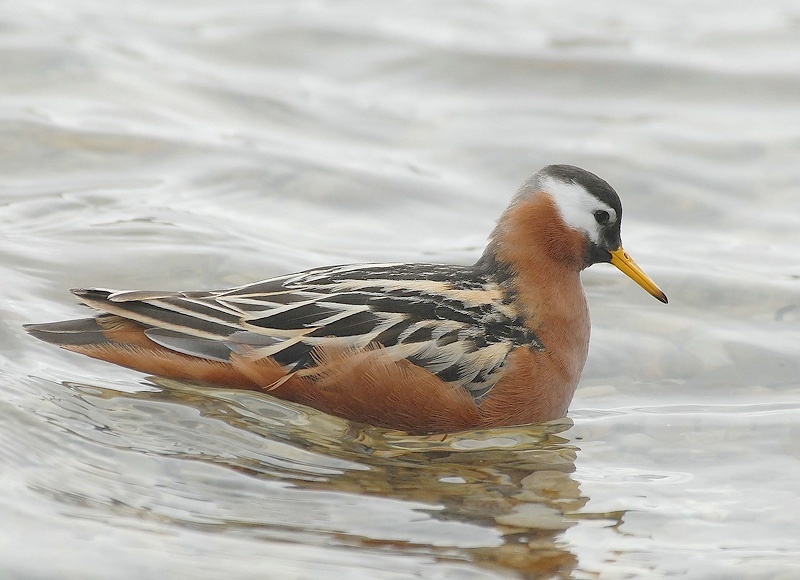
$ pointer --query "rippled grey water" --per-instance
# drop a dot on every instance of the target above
(196, 145)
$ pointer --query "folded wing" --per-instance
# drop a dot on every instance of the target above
(450, 320)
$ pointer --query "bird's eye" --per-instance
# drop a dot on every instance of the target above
(602, 217)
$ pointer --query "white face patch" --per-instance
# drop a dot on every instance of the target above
(576, 205)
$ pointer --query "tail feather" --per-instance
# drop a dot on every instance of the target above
(87, 332)
(69, 332)
(124, 342)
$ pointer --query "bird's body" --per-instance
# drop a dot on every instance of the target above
(418, 347)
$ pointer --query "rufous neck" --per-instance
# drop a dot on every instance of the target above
(536, 255)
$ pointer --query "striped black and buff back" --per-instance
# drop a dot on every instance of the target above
(455, 321)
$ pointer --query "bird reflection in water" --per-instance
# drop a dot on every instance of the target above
(507, 493)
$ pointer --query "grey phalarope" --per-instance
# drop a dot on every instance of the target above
(417, 347)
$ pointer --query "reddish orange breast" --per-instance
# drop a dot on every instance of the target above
(547, 258)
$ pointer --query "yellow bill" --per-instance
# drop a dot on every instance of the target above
(625, 263)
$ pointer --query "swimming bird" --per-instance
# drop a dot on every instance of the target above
(418, 347)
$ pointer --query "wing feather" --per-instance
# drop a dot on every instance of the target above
(453, 321)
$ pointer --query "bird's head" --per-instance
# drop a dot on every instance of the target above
(576, 215)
